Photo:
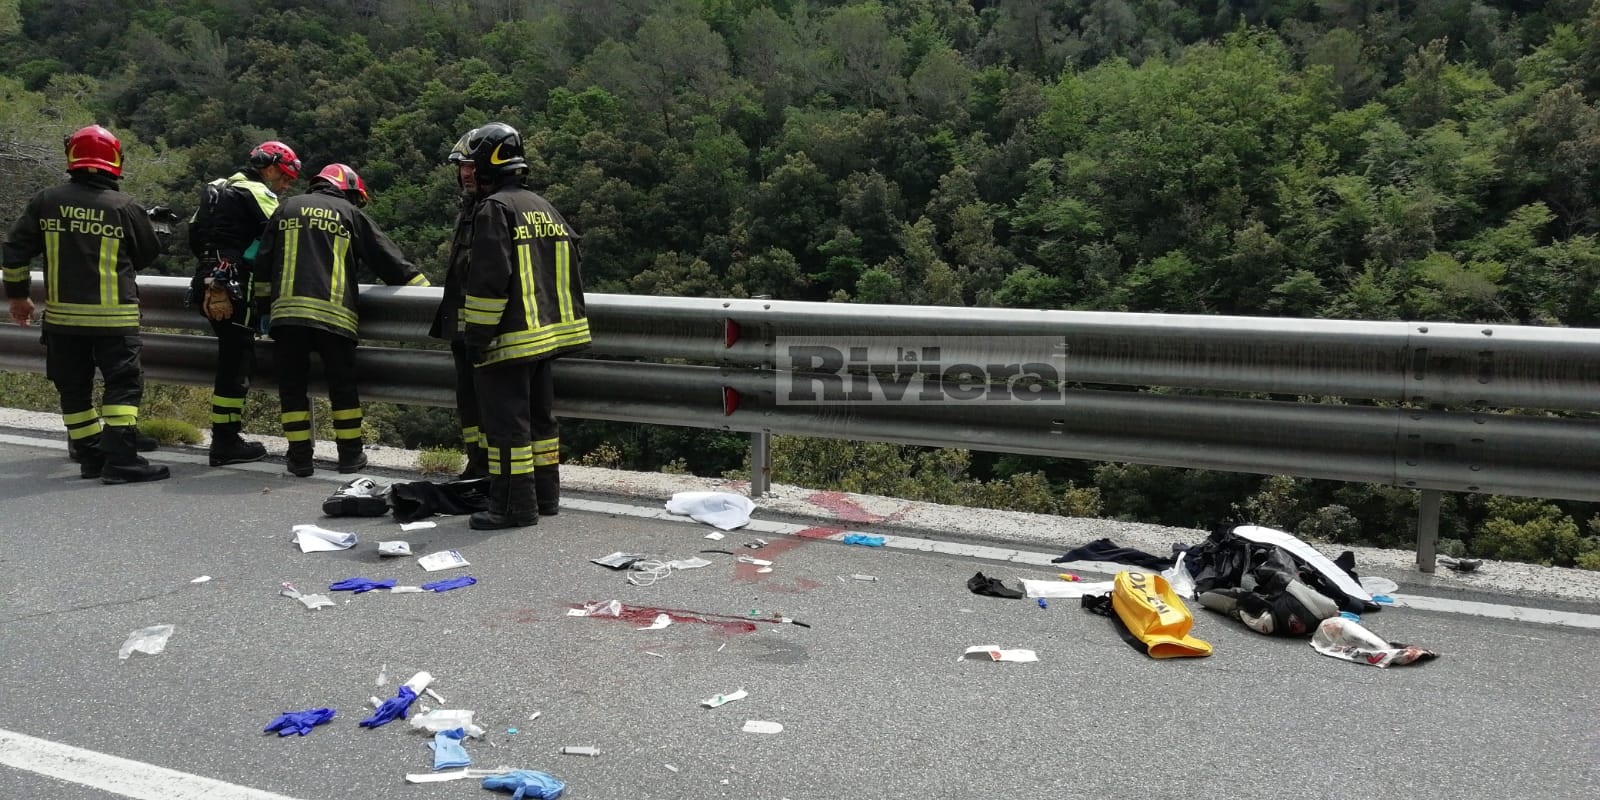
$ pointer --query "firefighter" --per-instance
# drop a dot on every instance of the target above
(521, 308)
(307, 269)
(94, 240)
(225, 235)
(447, 323)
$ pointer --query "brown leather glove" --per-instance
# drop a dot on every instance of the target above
(216, 303)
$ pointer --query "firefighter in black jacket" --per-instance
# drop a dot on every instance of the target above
(94, 240)
(306, 272)
(447, 322)
(225, 235)
(522, 307)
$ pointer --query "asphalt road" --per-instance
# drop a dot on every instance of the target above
(873, 700)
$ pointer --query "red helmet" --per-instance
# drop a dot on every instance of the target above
(278, 154)
(345, 179)
(94, 147)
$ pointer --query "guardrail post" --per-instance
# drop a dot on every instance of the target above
(760, 463)
(1428, 530)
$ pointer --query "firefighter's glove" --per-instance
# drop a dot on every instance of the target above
(300, 722)
(359, 585)
(476, 353)
(392, 709)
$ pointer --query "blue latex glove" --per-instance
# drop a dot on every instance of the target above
(447, 750)
(359, 585)
(526, 783)
(300, 722)
(451, 583)
(392, 709)
(863, 539)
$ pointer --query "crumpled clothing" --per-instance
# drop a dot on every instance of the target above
(992, 587)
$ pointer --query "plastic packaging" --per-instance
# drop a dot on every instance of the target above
(1341, 638)
(151, 640)
(724, 699)
(445, 719)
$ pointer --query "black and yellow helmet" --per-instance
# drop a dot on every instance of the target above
(496, 149)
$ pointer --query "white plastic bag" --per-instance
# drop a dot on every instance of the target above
(151, 641)
(720, 509)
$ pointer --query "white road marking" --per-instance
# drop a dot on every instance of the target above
(1542, 616)
(116, 775)
(836, 532)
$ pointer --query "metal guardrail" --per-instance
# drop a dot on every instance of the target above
(1438, 423)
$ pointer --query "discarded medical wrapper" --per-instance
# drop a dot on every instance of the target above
(418, 526)
(715, 536)
(441, 777)
(618, 560)
(762, 726)
(394, 548)
(202, 579)
(444, 719)
(444, 559)
(992, 652)
(1344, 639)
(580, 751)
(760, 562)
(1058, 590)
(719, 509)
(724, 699)
(661, 621)
(315, 539)
(150, 641)
(608, 608)
(527, 784)
(311, 601)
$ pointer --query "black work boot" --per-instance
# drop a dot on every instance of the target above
(86, 452)
(142, 443)
(351, 457)
(511, 504)
(123, 464)
(228, 448)
(299, 462)
(477, 463)
(547, 488)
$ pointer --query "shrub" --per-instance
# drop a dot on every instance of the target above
(440, 461)
(170, 431)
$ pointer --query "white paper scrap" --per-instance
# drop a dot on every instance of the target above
(418, 525)
(1064, 590)
(444, 559)
(724, 699)
(661, 621)
(992, 652)
(314, 539)
(715, 536)
(762, 726)
(760, 562)
(201, 579)
(694, 562)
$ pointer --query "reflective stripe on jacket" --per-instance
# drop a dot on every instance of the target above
(94, 239)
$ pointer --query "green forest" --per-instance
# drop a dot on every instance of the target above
(1353, 159)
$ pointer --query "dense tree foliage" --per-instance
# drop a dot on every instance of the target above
(1369, 159)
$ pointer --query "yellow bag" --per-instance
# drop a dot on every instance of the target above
(1154, 615)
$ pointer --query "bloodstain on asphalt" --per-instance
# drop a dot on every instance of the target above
(642, 616)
